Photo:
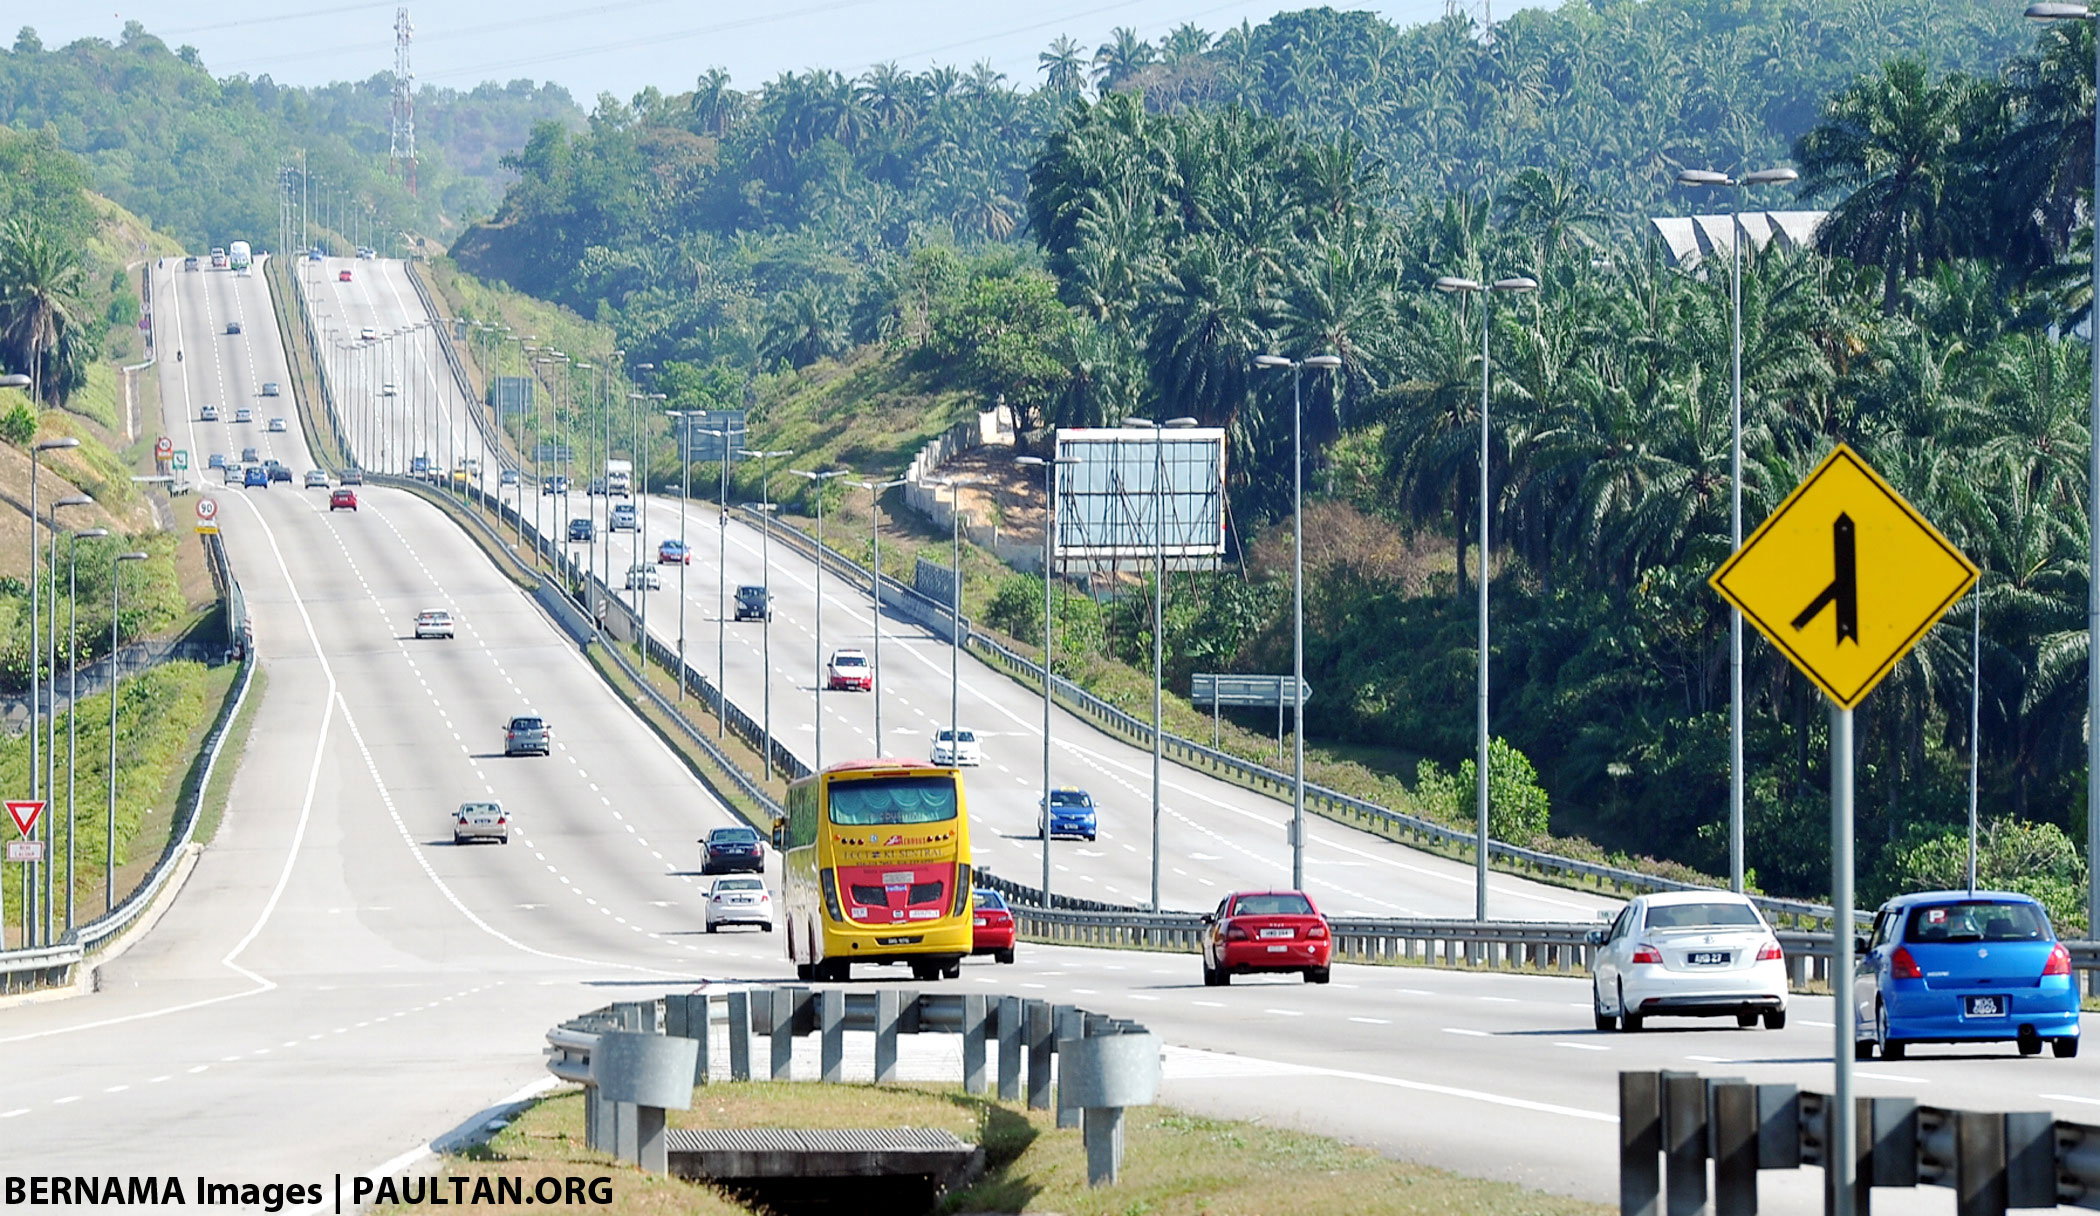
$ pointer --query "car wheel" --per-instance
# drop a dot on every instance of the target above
(1862, 1049)
(768, 926)
(1775, 1019)
(1744, 1021)
(924, 971)
(710, 926)
(2064, 1049)
(953, 971)
(1090, 838)
(457, 839)
(1629, 1021)
(1318, 975)
(1007, 956)
(2030, 1043)
(1891, 1048)
(1605, 1022)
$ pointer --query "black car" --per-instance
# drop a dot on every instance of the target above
(580, 529)
(753, 604)
(279, 472)
(727, 850)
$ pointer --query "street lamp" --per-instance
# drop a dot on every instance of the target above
(818, 479)
(765, 624)
(1460, 286)
(109, 839)
(1049, 467)
(51, 719)
(875, 489)
(1703, 178)
(73, 694)
(955, 638)
(35, 767)
(1323, 363)
(1159, 582)
(721, 584)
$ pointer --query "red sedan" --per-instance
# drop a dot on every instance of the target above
(1254, 931)
(344, 499)
(993, 925)
(344, 277)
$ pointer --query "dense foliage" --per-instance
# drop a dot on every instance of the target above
(49, 330)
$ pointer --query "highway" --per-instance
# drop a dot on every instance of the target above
(338, 984)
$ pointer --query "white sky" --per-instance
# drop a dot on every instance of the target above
(620, 46)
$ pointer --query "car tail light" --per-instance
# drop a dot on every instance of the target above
(1233, 933)
(2059, 961)
(1647, 954)
(1317, 931)
(1903, 967)
(1770, 953)
(718, 899)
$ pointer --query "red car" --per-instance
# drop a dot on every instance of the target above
(993, 925)
(345, 498)
(344, 277)
(849, 670)
(1266, 931)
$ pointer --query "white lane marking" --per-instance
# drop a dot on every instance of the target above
(2089, 1101)
(1582, 1046)
(1471, 1034)
(1286, 1013)
(1178, 1055)
(1373, 1021)
(1889, 1076)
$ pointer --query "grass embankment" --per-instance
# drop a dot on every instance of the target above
(162, 717)
(1174, 1164)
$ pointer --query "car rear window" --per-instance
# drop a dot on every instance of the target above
(733, 835)
(989, 899)
(1718, 914)
(1286, 904)
(892, 800)
(739, 884)
(478, 808)
(1976, 921)
(525, 724)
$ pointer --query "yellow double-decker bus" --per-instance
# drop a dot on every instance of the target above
(876, 869)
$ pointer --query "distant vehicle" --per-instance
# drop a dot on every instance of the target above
(526, 733)
(480, 821)
(673, 553)
(738, 901)
(242, 413)
(644, 578)
(248, 456)
(234, 475)
(1700, 954)
(343, 276)
(316, 479)
(1962, 967)
(753, 603)
(419, 466)
(727, 850)
(581, 529)
(1252, 931)
(1071, 813)
(623, 518)
(992, 925)
(277, 426)
(554, 485)
(237, 255)
(353, 476)
(365, 253)
(508, 477)
(216, 461)
(848, 670)
(433, 623)
(596, 487)
(218, 258)
(342, 498)
(367, 334)
(255, 476)
(233, 327)
(278, 472)
(208, 412)
(315, 255)
(190, 262)
(619, 478)
(270, 388)
(386, 390)
(956, 747)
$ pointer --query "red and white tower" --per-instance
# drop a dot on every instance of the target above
(402, 144)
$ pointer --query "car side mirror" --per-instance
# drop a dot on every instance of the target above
(1859, 944)
(1594, 937)
(1210, 918)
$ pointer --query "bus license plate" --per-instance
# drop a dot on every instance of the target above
(1707, 958)
(1986, 1006)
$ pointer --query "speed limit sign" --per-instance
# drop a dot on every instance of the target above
(163, 448)
(207, 515)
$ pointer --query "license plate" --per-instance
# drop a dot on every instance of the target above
(1277, 932)
(1986, 1006)
(1707, 958)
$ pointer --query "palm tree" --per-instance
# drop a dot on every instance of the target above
(1120, 58)
(805, 324)
(1063, 67)
(43, 288)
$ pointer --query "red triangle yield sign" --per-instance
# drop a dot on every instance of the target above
(25, 814)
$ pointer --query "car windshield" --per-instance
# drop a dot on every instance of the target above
(739, 884)
(1718, 914)
(732, 836)
(869, 801)
(1976, 921)
(1287, 903)
(848, 660)
(524, 723)
(989, 900)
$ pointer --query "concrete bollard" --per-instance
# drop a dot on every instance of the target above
(1039, 1046)
(643, 1074)
(887, 1006)
(1103, 1074)
(740, 1036)
(831, 1024)
(973, 1042)
(1009, 1049)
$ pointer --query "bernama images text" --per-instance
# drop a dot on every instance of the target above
(124, 1190)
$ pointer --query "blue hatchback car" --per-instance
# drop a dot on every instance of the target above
(1961, 967)
(1070, 813)
(256, 476)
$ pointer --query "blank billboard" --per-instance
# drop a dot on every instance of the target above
(1135, 493)
(708, 448)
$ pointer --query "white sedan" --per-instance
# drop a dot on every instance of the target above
(480, 821)
(644, 578)
(1687, 954)
(739, 899)
(957, 747)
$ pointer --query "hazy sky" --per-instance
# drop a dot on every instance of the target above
(620, 46)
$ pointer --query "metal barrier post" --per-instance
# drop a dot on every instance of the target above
(1039, 1044)
(740, 1036)
(1735, 1148)
(1009, 1049)
(1979, 1163)
(1684, 1142)
(887, 1009)
(1640, 1143)
(2030, 1159)
(973, 1019)
(1069, 1025)
(782, 1030)
(831, 1022)
(687, 1016)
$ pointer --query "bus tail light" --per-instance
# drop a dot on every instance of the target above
(962, 889)
(829, 881)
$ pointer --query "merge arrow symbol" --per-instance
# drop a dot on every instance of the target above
(1843, 592)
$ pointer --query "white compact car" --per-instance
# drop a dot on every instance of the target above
(957, 747)
(209, 413)
(1687, 954)
(480, 821)
(433, 623)
(277, 426)
(739, 899)
(644, 578)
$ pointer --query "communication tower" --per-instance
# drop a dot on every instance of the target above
(402, 143)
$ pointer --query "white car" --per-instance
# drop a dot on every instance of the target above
(208, 413)
(480, 821)
(243, 414)
(957, 747)
(1687, 954)
(739, 899)
(277, 426)
(368, 334)
(433, 623)
(644, 578)
(316, 479)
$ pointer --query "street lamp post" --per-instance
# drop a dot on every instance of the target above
(109, 838)
(36, 770)
(73, 694)
(1324, 363)
(1702, 178)
(1159, 582)
(765, 623)
(1050, 467)
(49, 863)
(818, 478)
(875, 489)
(1463, 286)
(955, 637)
(721, 585)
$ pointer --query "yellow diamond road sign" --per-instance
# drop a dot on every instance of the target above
(1845, 577)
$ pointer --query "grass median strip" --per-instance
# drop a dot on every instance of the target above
(1175, 1163)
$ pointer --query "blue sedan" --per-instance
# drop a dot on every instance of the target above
(1956, 967)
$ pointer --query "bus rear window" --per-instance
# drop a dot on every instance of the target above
(886, 801)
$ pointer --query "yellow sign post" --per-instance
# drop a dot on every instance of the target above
(1844, 578)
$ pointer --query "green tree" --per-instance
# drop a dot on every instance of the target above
(2034, 859)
